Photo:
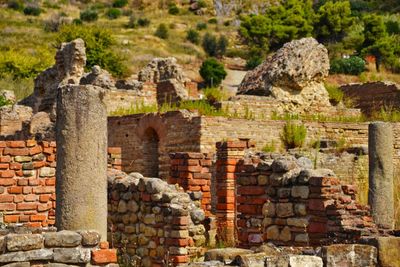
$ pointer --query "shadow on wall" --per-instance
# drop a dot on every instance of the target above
(151, 153)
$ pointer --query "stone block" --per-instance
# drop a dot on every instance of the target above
(225, 255)
(18, 242)
(284, 210)
(62, 239)
(90, 238)
(349, 255)
(268, 209)
(388, 250)
(47, 172)
(305, 261)
(251, 260)
(18, 264)
(298, 222)
(300, 191)
(31, 255)
(285, 235)
(72, 255)
(273, 232)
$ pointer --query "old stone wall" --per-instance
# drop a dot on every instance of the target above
(373, 96)
(154, 222)
(28, 247)
(147, 139)
(283, 202)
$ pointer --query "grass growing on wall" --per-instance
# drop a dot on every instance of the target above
(293, 135)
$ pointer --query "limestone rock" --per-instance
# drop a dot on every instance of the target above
(90, 238)
(161, 69)
(62, 239)
(99, 77)
(171, 91)
(226, 255)
(305, 261)
(41, 125)
(72, 255)
(294, 76)
(17, 242)
(352, 255)
(388, 250)
(31, 255)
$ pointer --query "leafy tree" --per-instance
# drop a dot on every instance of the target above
(333, 21)
(120, 3)
(353, 65)
(213, 72)
(99, 43)
(113, 13)
(162, 31)
(376, 40)
(290, 20)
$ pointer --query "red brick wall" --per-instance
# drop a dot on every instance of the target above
(191, 171)
(27, 181)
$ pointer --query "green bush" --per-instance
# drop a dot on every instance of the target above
(293, 135)
(143, 22)
(99, 43)
(173, 9)
(113, 13)
(213, 21)
(120, 3)
(89, 15)
(335, 94)
(32, 11)
(193, 36)
(213, 72)
(77, 22)
(201, 26)
(4, 101)
(201, 4)
(253, 62)
(353, 65)
(162, 31)
(214, 47)
(16, 5)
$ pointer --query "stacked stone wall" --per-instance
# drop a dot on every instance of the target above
(48, 248)
(153, 221)
(286, 205)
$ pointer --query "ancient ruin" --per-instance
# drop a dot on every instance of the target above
(182, 188)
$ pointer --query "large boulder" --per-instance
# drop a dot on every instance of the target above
(99, 77)
(294, 76)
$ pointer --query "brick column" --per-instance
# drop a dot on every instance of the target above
(228, 156)
(114, 158)
(192, 172)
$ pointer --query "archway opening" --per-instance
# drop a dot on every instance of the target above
(151, 153)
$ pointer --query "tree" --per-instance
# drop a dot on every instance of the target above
(214, 47)
(282, 23)
(333, 21)
(376, 39)
(213, 72)
(162, 31)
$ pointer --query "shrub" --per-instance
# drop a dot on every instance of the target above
(98, 43)
(213, 21)
(353, 65)
(293, 135)
(113, 13)
(162, 31)
(201, 4)
(32, 11)
(213, 72)
(132, 23)
(253, 62)
(215, 94)
(193, 36)
(201, 26)
(335, 94)
(16, 5)
(214, 47)
(89, 15)
(4, 101)
(173, 9)
(269, 147)
(143, 22)
(120, 3)
(77, 22)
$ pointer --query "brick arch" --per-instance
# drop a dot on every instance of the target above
(155, 122)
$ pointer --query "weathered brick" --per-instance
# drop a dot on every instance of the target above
(7, 173)
(7, 206)
(16, 151)
(7, 182)
(104, 256)
(16, 144)
(11, 218)
(26, 206)
(6, 198)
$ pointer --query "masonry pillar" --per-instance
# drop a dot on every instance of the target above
(228, 155)
(81, 185)
(380, 193)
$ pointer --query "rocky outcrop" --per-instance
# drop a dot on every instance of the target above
(293, 76)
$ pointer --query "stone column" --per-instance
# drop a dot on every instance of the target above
(81, 185)
(380, 193)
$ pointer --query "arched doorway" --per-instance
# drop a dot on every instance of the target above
(151, 153)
